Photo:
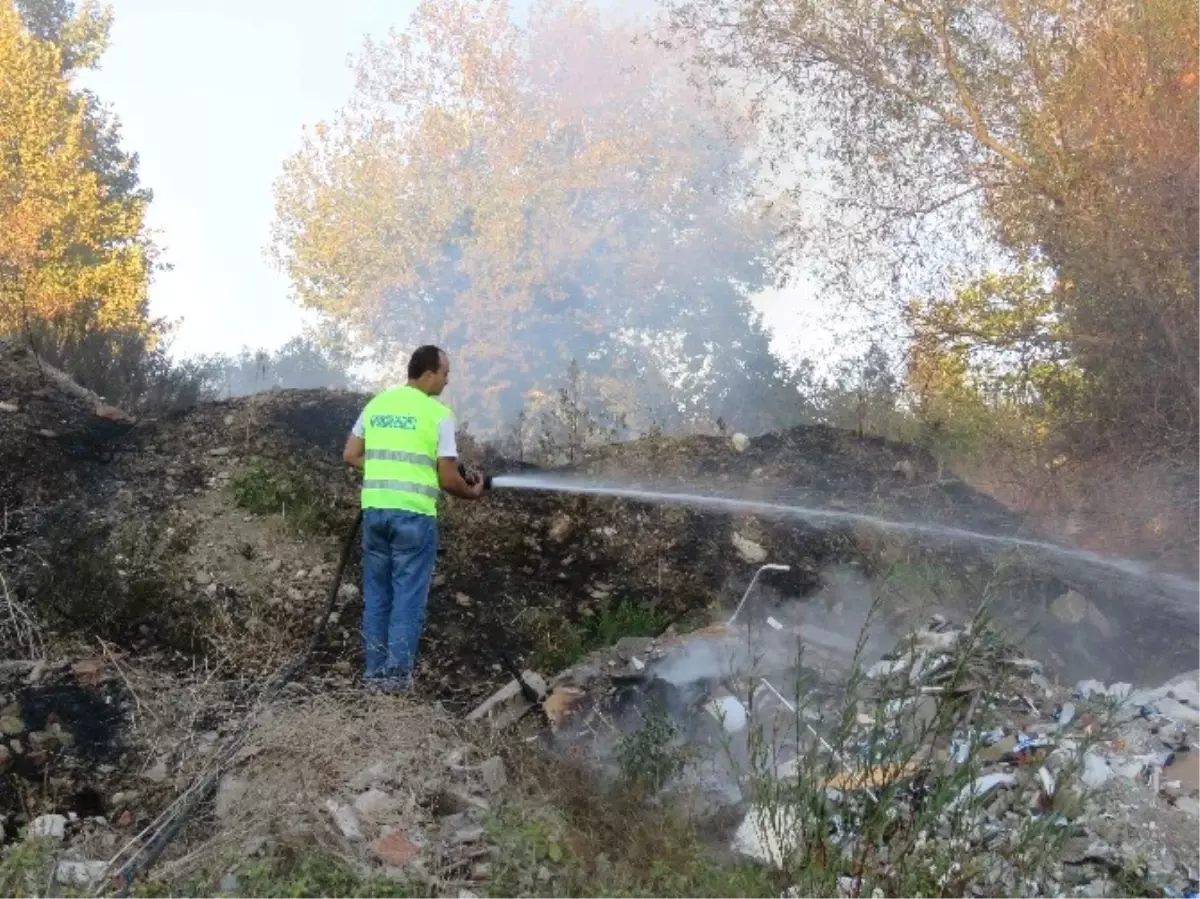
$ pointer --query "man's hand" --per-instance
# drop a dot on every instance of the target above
(454, 483)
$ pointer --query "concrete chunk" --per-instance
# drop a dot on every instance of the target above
(508, 696)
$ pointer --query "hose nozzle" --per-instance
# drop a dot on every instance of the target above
(472, 477)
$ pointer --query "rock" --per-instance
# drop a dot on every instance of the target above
(230, 791)
(740, 442)
(465, 835)
(375, 804)
(202, 578)
(11, 726)
(1188, 805)
(1073, 608)
(9, 407)
(125, 819)
(1070, 608)
(1086, 689)
(561, 528)
(1186, 689)
(220, 451)
(5, 758)
(89, 671)
(887, 668)
(157, 772)
(53, 827)
(1172, 708)
(112, 413)
(295, 594)
(750, 551)
(372, 776)
(348, 592)
(43, 741)
(395, 850)
(506, 698)
(495, 778)
(79, 874)
(231, 885)
(345, 819)
(275, 565)
(462, 600)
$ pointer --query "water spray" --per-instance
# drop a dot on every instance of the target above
(817, 516)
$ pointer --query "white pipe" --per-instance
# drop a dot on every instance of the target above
(833, 752)
(770, 566)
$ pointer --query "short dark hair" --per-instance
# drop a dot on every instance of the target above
(424, 359)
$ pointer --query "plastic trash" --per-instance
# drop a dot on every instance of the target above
(1095, 772)
(1066, 714)
(729, 711)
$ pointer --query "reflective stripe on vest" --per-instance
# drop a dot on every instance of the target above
(400, 430)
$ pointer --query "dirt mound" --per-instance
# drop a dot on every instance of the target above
(213, 532)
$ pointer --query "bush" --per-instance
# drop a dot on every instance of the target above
(561, 642)
(264, 489)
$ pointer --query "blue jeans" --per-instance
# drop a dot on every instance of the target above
(399, 552)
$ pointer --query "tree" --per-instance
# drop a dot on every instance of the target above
(75, 257)
(527, 196)
(864, 393)
(953, 132)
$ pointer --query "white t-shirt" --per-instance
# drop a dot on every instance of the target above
(447, 447)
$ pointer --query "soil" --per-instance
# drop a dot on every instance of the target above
(129, 531)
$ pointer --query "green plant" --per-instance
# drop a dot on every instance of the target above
(561, 642)
(112, 585)
(871, 803)
(292, 871)
(265, 489)
(585, 841)
(649, 756)
(27, 868)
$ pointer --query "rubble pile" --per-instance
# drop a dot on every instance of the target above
(1031, 787)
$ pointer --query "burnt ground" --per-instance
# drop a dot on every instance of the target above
(129, 531)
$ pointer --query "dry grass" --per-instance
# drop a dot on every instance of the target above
(304, 750)
(20, 633)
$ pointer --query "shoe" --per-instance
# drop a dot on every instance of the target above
(389, 685)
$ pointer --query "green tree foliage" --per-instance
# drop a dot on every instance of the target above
(74, 252)
(1062, 134)
(527, 196)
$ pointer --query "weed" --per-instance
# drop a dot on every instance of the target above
(561, 642)
(27, 868)
(597, 843)
(649, 757)
(116, 586)
(268, 490)
(289, 871)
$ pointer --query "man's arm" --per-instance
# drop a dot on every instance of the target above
(355, 452)
(447, 464)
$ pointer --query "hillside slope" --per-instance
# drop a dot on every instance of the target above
(215, 531)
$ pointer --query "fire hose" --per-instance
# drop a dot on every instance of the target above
(166, 827)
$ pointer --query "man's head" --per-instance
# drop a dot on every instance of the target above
(429, 370)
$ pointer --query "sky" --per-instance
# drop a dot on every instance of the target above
(213, 96)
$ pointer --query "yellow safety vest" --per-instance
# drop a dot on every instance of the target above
(400, 429)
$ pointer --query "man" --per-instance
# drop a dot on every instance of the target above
(404, 443)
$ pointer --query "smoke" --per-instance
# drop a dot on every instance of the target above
(776, 633)
(622, 230)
